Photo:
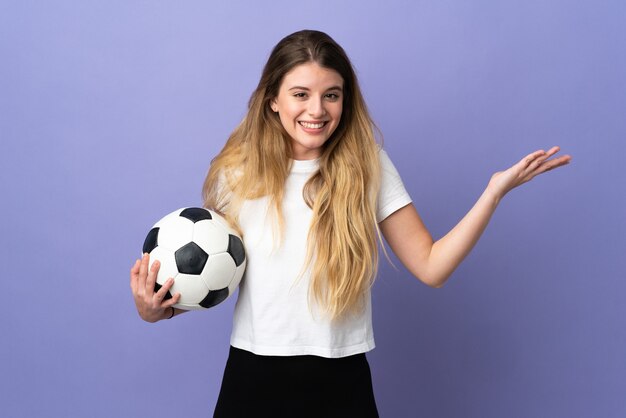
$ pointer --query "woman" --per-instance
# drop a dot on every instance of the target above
(304, 180)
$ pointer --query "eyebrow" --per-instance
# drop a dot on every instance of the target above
(333, 88)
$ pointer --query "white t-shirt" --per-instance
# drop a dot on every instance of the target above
(272, 314)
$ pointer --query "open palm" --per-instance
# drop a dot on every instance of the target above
(526, 169)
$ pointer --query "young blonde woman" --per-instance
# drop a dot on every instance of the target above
(311, 191)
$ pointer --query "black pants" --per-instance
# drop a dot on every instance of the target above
(295, 387)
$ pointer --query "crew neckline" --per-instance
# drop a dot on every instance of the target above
(304, 166)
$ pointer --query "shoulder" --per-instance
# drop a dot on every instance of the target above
(392, 194)
(386, 165)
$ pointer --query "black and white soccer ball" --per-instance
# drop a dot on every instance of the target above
(203, 254)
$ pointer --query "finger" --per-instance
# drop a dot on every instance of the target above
(547, 154)
(134, 272)
(554, 163)
(547, 166)
(530, 158)
(530, 164)
(152, 276)
(160, 295)
(143, 270)
(553, 151)
(543, 163)
(173, 301)
(542, 158)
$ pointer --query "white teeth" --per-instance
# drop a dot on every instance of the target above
(312, 125)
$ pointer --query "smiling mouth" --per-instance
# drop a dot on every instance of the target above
(309, 125)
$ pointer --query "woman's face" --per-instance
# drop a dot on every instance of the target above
(309, 104)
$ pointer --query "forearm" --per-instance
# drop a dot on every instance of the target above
(433, 262)
(448, 252)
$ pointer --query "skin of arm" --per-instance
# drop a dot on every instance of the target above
(434, 261)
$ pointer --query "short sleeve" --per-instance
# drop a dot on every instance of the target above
(392, 195)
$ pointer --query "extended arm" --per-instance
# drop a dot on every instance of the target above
(433, 262)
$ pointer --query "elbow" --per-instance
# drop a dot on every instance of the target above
(434, 282)
(431, 276)
(434, 278)
(437, 284)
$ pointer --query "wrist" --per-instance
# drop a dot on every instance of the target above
(497, 187)
(170, 312)
(493, 195)
(167, 313)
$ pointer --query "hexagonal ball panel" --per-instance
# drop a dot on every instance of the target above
(220, 220)
(190, 259)
(192, 290)
(174, 232)
(219, 271)
(211, 237)
(168, 266)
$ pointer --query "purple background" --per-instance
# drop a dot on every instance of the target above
(110, 113)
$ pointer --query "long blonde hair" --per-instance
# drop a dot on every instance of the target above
(343, 237)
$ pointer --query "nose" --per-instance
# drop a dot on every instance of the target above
(316, 108)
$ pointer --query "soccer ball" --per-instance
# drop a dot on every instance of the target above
(203, 254)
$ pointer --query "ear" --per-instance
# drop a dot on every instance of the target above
(274, 106)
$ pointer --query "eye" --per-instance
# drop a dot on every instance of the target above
(300, 95)
(333, 97)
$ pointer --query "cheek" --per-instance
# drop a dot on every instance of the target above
(285, 120)
(338, 115)
(338, 119)
(338, 111)
(289, 125)
(288, 113)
